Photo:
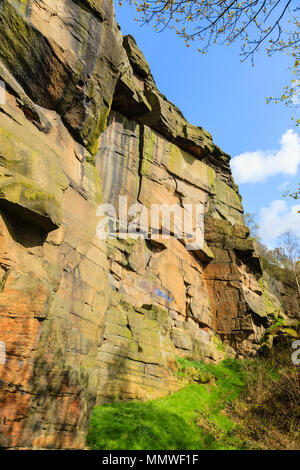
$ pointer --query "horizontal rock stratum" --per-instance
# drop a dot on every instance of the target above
(84, 320)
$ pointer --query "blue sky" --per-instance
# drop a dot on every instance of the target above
(228, 98)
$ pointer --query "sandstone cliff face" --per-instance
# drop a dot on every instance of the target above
(83, 319)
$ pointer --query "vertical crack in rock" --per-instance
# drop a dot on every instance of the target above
(4, 279)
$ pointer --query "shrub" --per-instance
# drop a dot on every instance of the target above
(268, 410)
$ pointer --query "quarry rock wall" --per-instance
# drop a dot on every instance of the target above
(85, 320)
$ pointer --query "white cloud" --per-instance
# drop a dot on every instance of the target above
(277, 219)
(253, 167)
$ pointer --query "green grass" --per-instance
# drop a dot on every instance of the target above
(172, 423)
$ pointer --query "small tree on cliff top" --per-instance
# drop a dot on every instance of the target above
(272, 23)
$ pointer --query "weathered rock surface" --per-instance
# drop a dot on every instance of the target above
(84, 320)
(54, 285)
(67, 55)
(137, 97)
